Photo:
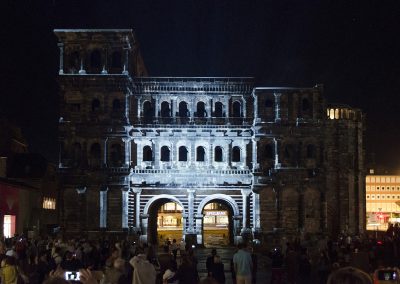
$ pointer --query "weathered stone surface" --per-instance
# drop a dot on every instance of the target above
(279, 158)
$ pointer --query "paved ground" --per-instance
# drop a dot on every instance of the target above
(226, 254)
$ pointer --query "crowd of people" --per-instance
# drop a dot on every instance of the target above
(50, 260)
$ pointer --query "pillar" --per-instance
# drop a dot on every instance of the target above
(199, 228)
(124, 221)
(191, 229)
(245, 199)
(254, 153)
(103, 207)
(127, 158)
(82, 70)
(138, 192)
(139, 108)
(277, 107)
(105, 152)
(126, 63)
(256, 212)
(157, 107)
(61, 69)
(277, 165)
(144, 224)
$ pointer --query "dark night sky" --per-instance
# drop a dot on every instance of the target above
(352, 48)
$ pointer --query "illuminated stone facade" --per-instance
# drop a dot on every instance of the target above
(129, 144)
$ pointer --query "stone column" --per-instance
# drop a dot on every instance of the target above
(61, 69)
(105, 65)
(144, 225)
(245, 198)
(277, 165)
(255, 107)
(244, 110)
(173, 111)
(124, 221)
(103, 207)
(277, 107)
(199, 228)
(138, 192)
(254, 152)
(82, 55)
(139, 109)
(226, 106)
(105, 152)
(127, 159)
(126, 63)
(236, 229)
(157, 107)
(211, 155)
(191, 193)
(127, 108)
(209, 108)
(256, 212)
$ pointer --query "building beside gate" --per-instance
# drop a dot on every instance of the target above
(273, 158)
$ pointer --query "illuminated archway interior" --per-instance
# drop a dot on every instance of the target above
(216, 224)
(169, 222)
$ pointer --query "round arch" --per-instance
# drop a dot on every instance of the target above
(223, 197)
(162, 196)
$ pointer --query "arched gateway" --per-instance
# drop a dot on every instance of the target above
(150, 227)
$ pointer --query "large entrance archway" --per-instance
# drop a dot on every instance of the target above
(165, 220)
(219, 219)
(217, 224)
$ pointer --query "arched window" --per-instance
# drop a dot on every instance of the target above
(311, 151)
(183, 110)
(116, 155)
(218, 154)
(95, 105)
(165, 110)
(269, 151)
(147, 154)
(95, 155)
(201, 110)
(95, 59)
(305, 104)
(269, 103)
(200, 154)
(331, 113)
(165, 154)
(76, 154)
(236, 154)
(236, 109)
(116, 105)
(116, 60)
(218, 112)
(183, 154)
(148, 109)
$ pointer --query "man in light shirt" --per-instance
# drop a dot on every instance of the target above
(243, 265)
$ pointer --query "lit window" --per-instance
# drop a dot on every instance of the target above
(49, 203)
